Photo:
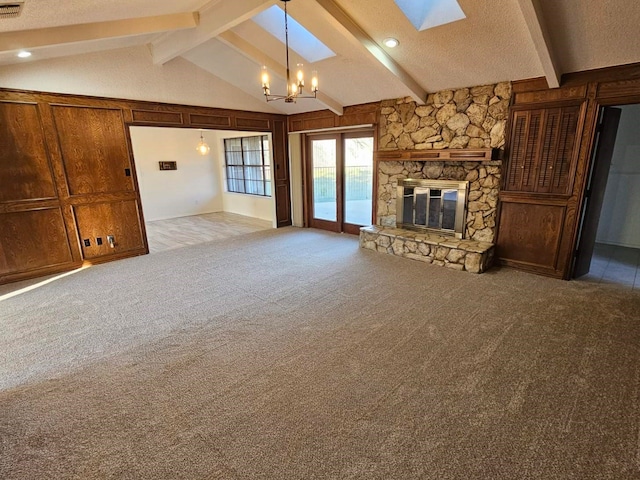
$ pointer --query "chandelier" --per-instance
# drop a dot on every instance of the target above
(295, 88)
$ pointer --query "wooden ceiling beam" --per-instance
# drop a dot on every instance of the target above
(217, 18)
(536, 25)
(250, 51)
(346, 22)
(45, 37)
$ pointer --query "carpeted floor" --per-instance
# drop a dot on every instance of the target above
(293, 354)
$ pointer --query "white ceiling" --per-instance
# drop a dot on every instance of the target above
(498, 40)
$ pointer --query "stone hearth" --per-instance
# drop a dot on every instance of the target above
(463, 255)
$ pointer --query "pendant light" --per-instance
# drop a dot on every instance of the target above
(202, 147)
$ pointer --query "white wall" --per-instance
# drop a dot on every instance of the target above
(194, 188)
(620, 215)
(129, 73)
(241, 204)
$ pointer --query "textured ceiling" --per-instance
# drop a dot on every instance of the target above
(226, 48)
(47, 13)
(587, 35)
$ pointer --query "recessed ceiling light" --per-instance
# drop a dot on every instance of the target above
(391, 42)
(24, 54)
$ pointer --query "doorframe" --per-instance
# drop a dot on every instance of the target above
(595, 187)
(341, 134)
(598, 104)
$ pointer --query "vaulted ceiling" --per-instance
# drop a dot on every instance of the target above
(210, 52)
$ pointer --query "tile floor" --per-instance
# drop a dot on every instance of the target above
(179, 232)
(615, 265)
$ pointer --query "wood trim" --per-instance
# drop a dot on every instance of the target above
(449, 154)
(529, 85)
(364, 114)
(210, 121)
(551, 95)
(146, 116)
(622, 88)
(617, 73)
(39, 272)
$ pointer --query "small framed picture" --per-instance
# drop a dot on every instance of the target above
(168, 165)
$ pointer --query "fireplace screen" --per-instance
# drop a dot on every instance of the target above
(434, 205)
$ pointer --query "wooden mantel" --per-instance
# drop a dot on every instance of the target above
(451, 154)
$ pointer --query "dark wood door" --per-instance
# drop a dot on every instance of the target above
(603, 153)
(340, 181)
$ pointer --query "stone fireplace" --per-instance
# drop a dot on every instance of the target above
(440, 141)
(448, 220)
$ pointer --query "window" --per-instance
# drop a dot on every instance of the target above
(248, 165)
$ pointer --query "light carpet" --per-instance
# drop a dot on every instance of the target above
(293, 354)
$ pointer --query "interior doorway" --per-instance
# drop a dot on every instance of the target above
(340, 181)
(206, 195)
(609, 240)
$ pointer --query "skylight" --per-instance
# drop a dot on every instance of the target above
(300, 39)
(426, 14)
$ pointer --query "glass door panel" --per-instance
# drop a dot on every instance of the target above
(324, 176)
(358, 180)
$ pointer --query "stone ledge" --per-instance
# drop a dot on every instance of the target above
(465, 255)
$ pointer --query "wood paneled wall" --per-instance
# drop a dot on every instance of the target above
(364, 114)
(68, 179)
(552, 133)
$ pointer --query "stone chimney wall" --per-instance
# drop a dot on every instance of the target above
(466, 118)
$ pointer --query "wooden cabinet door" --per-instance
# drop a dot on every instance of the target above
(523, 156)
(94, 149)
(557, 158)
(542, 150)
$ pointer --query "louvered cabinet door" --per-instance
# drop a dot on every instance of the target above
(542, 150)
(557, 152)
(524, 151)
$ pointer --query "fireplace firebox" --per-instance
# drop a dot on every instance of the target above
(432, 205)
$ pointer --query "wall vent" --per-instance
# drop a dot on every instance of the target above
(10, 10)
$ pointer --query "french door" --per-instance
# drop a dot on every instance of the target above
(340, 181)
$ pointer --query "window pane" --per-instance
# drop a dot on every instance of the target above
(253, 157)
(247, 162)
(255, 187)
(232, 144)
(234, 158)
(324, 179)
(252, 144)
(358, 180)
